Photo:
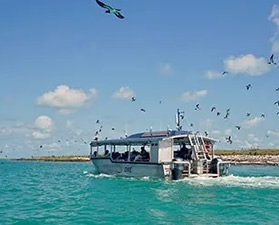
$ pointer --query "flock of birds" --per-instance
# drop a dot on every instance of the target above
(116, 12)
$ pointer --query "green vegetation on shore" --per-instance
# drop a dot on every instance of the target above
(64, 158)
(248, 152)
(85, 158)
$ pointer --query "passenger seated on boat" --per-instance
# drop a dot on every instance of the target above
(95, 153)
(115, 155)
(183, 151)
(144, 154)
(106, 154)
(124, 156)
(133, 155)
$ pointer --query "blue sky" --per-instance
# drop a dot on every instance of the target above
(63, 62)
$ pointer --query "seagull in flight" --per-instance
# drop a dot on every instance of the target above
(197, 107)
(248, 86)
(238, 127)
(143, 110)
(262, 115)
(97, 121)
(248, 114)
(277, 102)
(229, 139)
(226, 116)
(224, 73)
(277, 89)
(213, 108)
(218, 113)
(271, 60)
(133, 99)
(110, 9)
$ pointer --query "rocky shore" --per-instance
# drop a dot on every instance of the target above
(252, 159)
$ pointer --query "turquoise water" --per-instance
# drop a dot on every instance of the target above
(70, 193)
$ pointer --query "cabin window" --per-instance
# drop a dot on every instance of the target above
(102, 151)
(131, 153)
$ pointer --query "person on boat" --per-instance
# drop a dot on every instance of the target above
(106, 154)
(144, 154)
(207, 150)
(184, 152)
(133, 155)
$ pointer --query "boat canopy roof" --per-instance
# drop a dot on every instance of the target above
(148, 137)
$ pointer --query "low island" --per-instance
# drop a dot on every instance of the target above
(237, 157)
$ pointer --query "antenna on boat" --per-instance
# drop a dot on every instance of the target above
(178, 117)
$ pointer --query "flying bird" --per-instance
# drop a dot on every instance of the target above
(248, 114)
(97, 121)
(271, 60)
(213, 108)
(238, 127)
(41, 146)
(224, 73)
(206, 133)
(197, 107)
(277, 102)
(133, 99)
(248, 86)
(112, 128)
(229, 139)
(262, 115)
(218, 113)
(226, 116)
(143, 110)
(191, 124)
(277, 113)
(110, 9)
(228, 110)
(182, 116)
(277, 89)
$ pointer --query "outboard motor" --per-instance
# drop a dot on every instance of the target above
(177, 171)
(213, 165)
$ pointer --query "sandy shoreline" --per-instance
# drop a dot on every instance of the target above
(252, 159)
(234, 159)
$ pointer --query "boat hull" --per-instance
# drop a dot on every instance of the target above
(131, 169)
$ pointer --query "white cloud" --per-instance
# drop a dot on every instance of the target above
(252, 122)
(43, 127)
(246, 64)
(193, 96)
(212, 74)
(273, 132)
(274, 17)
(166, 69)
(124, 93)
(44, 123)
(66, 99)
(41, 134)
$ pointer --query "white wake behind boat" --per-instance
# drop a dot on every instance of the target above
(168, 154)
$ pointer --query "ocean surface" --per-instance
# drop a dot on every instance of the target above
(71, 193)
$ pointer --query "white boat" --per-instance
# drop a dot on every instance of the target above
(172, 154)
